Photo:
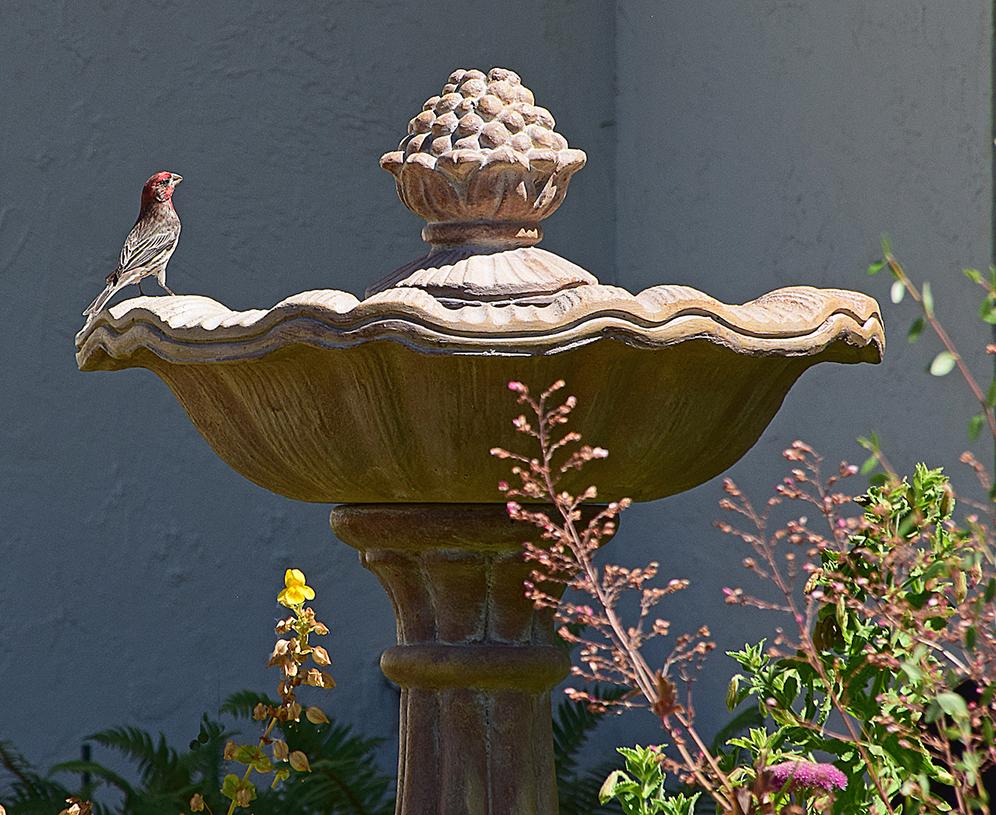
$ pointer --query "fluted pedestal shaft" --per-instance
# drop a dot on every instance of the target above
(475, 662)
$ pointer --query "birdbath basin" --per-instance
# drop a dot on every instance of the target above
(388, 406)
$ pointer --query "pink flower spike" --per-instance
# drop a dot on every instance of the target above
(518, 387)
(799, 775)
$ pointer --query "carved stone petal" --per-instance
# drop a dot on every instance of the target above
(398, 397)
(393, 162)
(499, 276)
(423, 190)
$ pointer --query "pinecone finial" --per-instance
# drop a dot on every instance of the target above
(482, 163)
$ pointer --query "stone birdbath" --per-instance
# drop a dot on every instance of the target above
(387, 406)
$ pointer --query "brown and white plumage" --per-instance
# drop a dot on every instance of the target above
(149, 245)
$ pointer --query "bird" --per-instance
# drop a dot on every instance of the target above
(149, 245)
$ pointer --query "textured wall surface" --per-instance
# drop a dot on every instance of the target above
(733, 147)
(769, 144)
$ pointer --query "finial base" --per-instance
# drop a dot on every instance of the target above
(493, 235)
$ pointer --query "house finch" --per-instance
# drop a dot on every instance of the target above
(149, 245)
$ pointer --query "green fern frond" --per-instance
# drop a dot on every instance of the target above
(344, 778)
(579, 794)
(14, 763)
(24, 791)
(573, 724)
(131, 742)
(241, 703)
(740, 723)
(97, 770)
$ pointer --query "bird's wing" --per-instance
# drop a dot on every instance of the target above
(146, 245)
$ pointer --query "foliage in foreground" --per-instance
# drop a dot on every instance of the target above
(887, 665)
(344, 777)
(878, 696)
(333, 769)
(896, 614)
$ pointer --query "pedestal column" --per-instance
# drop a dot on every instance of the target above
(474, 660)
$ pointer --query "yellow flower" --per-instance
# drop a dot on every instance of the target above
(296, 590)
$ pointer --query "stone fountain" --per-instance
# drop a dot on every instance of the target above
(387, 406)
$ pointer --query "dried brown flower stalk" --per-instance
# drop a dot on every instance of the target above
(612, 651)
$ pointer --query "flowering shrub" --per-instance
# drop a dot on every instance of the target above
(892, 611)
(639, 788)
(805, 775)
(884, 631)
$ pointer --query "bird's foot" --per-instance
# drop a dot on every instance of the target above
(169, 291)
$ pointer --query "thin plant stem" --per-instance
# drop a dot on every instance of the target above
(928, 313)
(248, 772)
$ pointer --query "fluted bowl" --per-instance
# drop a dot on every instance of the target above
(398, 398)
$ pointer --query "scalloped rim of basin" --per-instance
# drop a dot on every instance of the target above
(797, 321)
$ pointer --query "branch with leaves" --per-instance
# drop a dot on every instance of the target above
(614, 650)
(949, 358)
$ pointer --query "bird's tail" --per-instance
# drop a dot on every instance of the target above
(101, 299)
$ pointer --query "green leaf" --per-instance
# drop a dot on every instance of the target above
(870, 464)
(678, 804)
(975, 425)
(943, 364)
(987, 695)
(912, 671)
(973, 274)
(248, 754)
(230, 786)
(897, 292)
(233, 785)
(987, 310)
(886, 245)
(608, 789)
(915, 330)
(971, 637)
(990, 590)
(953, 705)
(876, 267)
(928, 299)
(732, 692)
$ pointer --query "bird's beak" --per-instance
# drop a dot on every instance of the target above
(176, 179)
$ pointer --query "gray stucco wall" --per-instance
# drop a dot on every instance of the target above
(734, 147)
(769, 144)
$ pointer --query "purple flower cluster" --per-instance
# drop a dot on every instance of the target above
(795, 775)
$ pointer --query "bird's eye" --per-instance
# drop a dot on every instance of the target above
(164, 181)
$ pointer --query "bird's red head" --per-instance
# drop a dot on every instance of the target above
(159, 188)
